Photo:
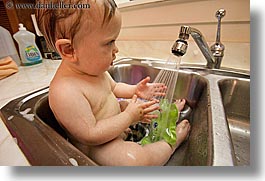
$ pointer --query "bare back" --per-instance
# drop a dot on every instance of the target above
(91, 97)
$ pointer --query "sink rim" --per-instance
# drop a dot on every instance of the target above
(196, 68)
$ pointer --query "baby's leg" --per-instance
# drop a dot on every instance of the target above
(184, 124)
(182, 131)
(125, 153)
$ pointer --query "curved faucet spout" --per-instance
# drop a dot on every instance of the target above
(180, 46)
(202, 44)
(213, 55)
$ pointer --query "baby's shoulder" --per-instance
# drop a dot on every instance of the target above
(64, 85)
(64, 81)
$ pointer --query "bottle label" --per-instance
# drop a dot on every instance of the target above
(32, 53)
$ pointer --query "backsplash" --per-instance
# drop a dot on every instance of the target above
(150, 29)
(237, 55)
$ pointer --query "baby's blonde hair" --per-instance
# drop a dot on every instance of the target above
(64, 23)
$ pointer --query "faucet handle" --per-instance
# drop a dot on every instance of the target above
(218, 48)
(220, 13)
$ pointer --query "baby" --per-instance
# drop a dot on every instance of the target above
(83, 96)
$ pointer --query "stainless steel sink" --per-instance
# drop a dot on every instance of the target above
(236, 100)
(211, 141)
(194, 88)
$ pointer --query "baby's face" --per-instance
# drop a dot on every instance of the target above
(97, 50)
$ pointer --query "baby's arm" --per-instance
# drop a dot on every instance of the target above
(143, 89)
(124, 90)
(121, 90)
(74, 112)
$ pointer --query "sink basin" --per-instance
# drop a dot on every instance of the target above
(192, 87)
(236, 100)
(212, 141)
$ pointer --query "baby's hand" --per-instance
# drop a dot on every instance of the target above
(148, 91)
(140, 111)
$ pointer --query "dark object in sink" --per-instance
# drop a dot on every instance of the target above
(137, 132)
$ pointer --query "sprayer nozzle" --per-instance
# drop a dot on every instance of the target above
(179, 48)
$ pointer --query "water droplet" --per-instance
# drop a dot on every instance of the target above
(26, 111)
(29, 117)
(15, 140)
(73, 161)
(10, 118)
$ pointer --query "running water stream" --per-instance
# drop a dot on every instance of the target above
(164, 127)
(169, 75)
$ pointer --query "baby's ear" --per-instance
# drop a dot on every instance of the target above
(66, 50)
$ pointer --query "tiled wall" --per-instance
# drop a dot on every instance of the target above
(150, 29)
(237, 55)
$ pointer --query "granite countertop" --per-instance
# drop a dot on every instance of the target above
(28, 79)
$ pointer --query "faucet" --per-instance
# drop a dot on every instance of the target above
(213, 55)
